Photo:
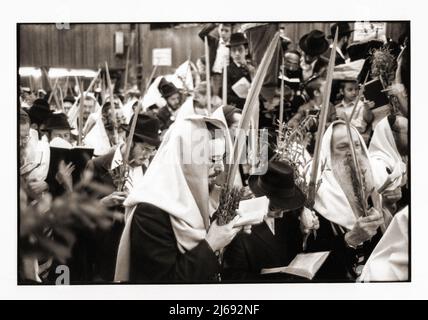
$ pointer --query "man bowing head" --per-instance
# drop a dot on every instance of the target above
(168, 237)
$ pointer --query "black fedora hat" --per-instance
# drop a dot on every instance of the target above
(39, 111)
(237, 39)
(278, 185)
(57, 121)
(146, 129)
(314, 43)
(167, 88)
(344, 29)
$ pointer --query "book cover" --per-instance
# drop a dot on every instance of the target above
(78, 155)
(373, 91)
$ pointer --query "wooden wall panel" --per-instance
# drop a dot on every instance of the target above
(82, 46)
(90, 45)
(182, 41)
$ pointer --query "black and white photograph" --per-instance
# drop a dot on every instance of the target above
(164, 155)
(214, 152)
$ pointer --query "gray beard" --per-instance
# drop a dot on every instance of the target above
(345, 176)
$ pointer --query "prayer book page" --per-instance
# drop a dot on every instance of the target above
(252, 211)
(305, 265)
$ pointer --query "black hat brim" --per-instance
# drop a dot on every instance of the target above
(313, 51)
(169, 94)
(58, 127)
(279, 201)
(143, 138)
(237, 43)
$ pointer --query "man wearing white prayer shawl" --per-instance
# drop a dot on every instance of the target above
(343, 228)
(168, 236)
(388, 152)
(389, 261)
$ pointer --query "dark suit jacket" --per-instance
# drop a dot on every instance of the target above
(97, 250)
(212, 41)
(234, 74)
(249, 253)
(101, 166)
(339, 265)
(164, 116)
(155, 257)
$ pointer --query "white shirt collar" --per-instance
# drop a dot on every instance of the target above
(270, 222)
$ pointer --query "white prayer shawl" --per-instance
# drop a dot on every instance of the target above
(389, 261)
(384, 154)
(176, 184)
(330, 200)
(184, 75)
(127, 109)
(97, 137)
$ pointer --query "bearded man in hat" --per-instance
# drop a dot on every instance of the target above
(313, 44)
(168, 113)
(238, 68)
(277, 240)
(107, 170)
(144, 143)
(344, 228)
(344, 32)
(168, 237)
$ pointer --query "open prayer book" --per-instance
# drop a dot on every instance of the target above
(304, 265)
(252, 211)
(241, 87)
(78, 155)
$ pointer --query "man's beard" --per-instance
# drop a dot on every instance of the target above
(347, 178)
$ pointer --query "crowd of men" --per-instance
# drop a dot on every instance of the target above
(165, 228)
